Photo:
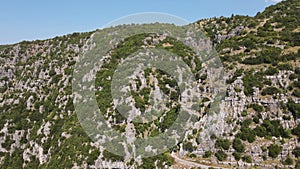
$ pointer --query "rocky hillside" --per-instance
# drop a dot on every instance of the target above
(260, 124)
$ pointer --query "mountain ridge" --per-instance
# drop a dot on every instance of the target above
(260, 54)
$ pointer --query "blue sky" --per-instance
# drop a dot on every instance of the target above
(38, 19)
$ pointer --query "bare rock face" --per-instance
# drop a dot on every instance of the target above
(234, 32)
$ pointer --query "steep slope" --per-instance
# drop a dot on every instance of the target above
(261, 56)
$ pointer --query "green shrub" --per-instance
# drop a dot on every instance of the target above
(270, 91)
(271, 128)
(271, 71)
(263, 148)
(274, 150)
(237, 156)
(285, 66)
(244, 113)
(247, 159)
(192, 155)
(297, 84)
(288, 161)
(267, 55)
(52, 72)
(256, 120)
(188, 146)
(111, 156)
(223, 143)
(207, 154)
(237, 73)
(157, 161)
(247, 134)
(258, 108)
(221, 155)
(249, 43)
(294, 108)
(296, 93)
(296, 152)
(296, 131)
(246, 123)
(238, 145)
(297, 69)
(251, 80)
(294, 76)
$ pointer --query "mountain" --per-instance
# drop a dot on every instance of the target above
(260, 128)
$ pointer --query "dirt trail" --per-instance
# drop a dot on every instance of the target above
(192, 164)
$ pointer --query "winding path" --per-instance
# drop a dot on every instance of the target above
(191, 163)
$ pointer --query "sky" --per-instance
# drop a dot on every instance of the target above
(38, 19)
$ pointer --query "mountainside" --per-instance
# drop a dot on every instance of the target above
(261, 110)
